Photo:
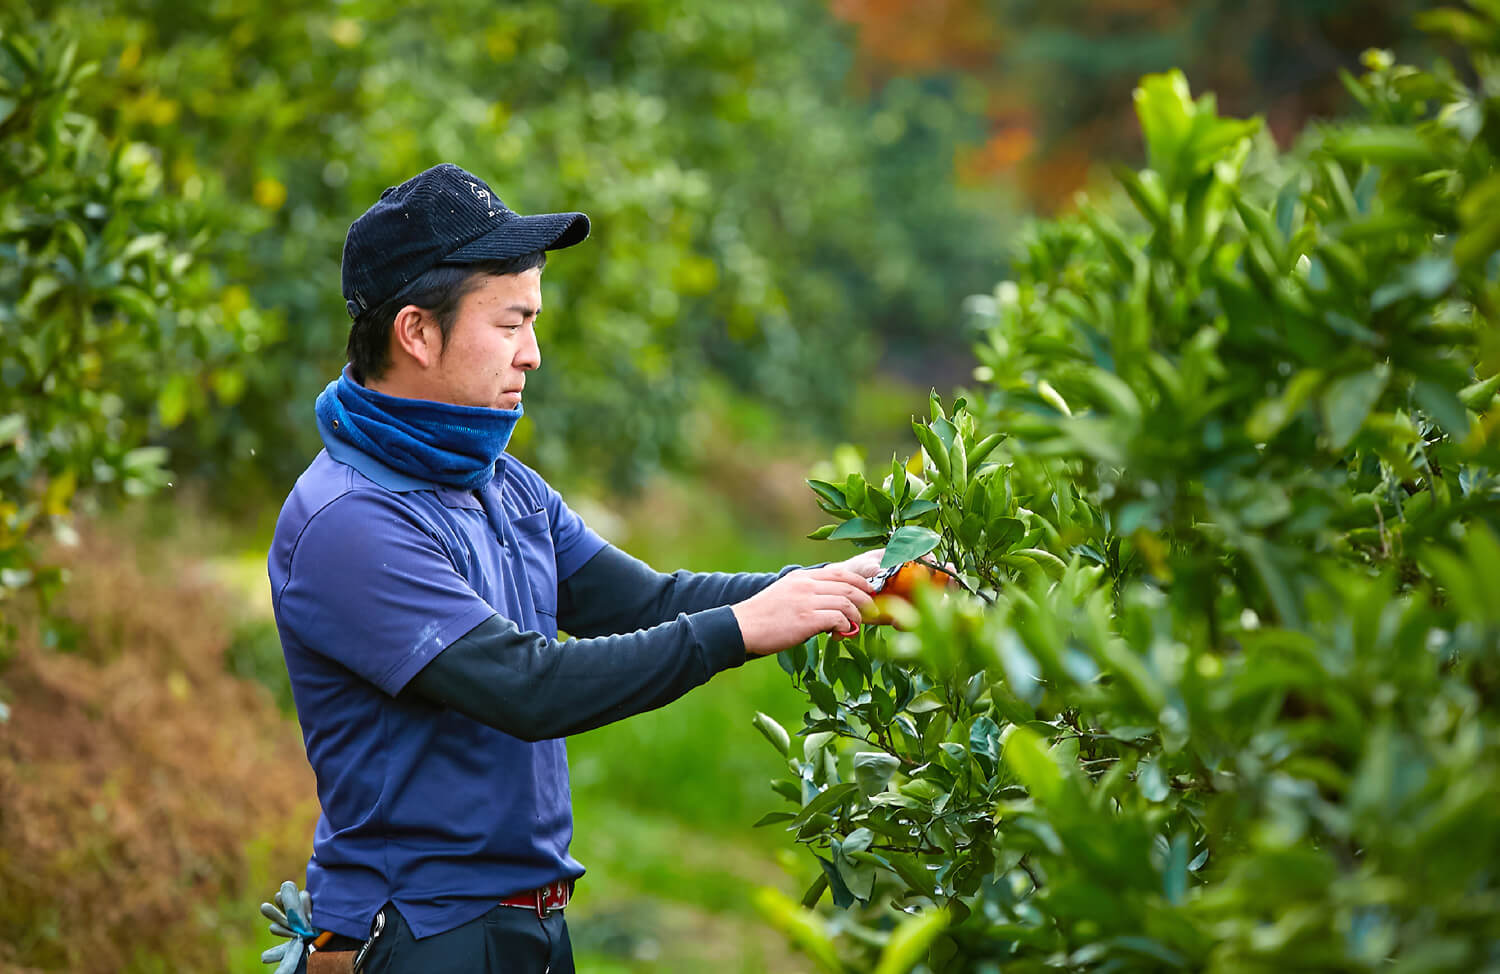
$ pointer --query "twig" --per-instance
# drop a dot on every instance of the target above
(1036, 884)
(953, 575)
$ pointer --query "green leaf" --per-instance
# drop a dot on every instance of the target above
(814, 743)
(1114, 394)
(857, 529)
(917, 508)
(910, 940)
(933, 447)
(873, 770)
(803, 927)
(912, 872)
(842, 896)
(858, 841)
(1148, 948)
(1184, 137)
(772, 818)
(1382, 144)
(1025, 557)
(1164, 105)
(790, 790)
(851, 676)
(1349, 400)
(1022, 674)
(857, 492)
(814, 826)
(833, 797)
(1148, 196)
(822, 696)
(773, 732)
(815, 890)
(923, 790)
(881, 503)
(145, 459)
(833, 496)
(12, 428)
(1272, 415)
(900, 485)
(1004, 531)
(1427, 278)
(926, 702)
(945, 432)
(1476, 396)
(1174, 874)
(1460, 26)
(856, 868)
(172, 402)
(908, 543)
(1443, 405)
(958, 465)
(1152, 782)
(983, 449)
(1027, 757)
(133, 302)
(984, 739)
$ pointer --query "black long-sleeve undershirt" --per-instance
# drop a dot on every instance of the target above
(648, 638)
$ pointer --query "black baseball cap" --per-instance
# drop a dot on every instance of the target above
(444, 215)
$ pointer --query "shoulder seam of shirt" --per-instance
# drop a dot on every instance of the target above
(350, 488)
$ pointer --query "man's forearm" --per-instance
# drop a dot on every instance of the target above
(537, 688)
(615, 592)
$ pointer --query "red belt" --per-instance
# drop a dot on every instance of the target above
(545, 900)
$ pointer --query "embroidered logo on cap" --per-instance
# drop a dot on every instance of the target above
(482, 195)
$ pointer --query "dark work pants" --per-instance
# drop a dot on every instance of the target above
(506, 940)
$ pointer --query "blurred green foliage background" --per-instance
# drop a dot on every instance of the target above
(749, 222)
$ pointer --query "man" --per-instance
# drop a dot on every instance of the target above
(420, 577)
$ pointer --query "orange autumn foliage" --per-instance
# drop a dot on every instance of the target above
(908, 35)
(1057, 77)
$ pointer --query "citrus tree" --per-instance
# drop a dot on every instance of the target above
(752, 220)
(102, 307)
(1222, 688)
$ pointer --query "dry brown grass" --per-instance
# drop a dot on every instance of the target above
(135, 772)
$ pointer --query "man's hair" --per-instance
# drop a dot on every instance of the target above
(439, 292)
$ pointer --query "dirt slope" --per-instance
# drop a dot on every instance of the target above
(136, 774)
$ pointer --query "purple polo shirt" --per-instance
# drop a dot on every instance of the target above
(373, 573)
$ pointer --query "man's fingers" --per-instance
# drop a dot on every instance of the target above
(844, 590)
(866, 563)
(839, 573)
(844, 606)
(836, 620)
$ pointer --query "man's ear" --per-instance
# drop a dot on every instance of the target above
(415, 334)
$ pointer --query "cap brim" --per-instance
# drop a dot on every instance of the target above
(524, 235)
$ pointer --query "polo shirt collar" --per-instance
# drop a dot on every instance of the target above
(395, 480)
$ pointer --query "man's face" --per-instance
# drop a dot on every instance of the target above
(493, 343)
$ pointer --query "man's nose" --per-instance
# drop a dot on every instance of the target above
(529, 355)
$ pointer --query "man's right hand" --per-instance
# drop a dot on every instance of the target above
(801, 604)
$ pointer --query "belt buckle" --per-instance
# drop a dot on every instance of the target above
(546, 893)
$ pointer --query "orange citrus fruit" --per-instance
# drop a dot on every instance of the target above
(901, 587)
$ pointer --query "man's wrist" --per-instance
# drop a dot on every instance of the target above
(718, 634)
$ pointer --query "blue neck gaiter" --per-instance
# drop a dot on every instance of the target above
(456, 446)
